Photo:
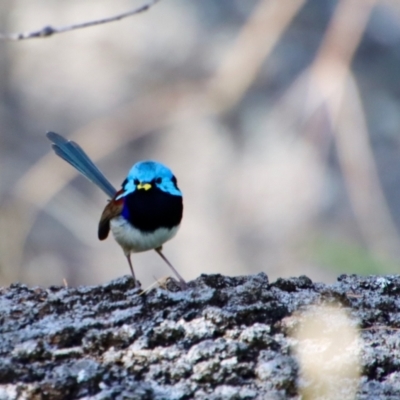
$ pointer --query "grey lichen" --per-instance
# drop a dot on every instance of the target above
(224, 338)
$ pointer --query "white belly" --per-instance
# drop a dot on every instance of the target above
(134, 241)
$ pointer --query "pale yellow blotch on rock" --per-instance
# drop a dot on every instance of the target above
(327, 344)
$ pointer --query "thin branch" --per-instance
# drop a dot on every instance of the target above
(50, 30)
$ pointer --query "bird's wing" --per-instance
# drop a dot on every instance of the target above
(113, 209)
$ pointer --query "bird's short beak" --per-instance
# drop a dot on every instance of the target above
(144, 186)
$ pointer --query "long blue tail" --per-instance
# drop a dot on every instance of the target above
(73, 154)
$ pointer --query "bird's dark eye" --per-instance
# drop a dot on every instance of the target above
(158, 180)
(136, 181)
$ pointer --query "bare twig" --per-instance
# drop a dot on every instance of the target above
(383, 327)
(50, 30)
(162, 283)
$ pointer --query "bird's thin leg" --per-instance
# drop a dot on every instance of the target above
(128, 257)
(183, 283)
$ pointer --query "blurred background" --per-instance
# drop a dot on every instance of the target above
(280, 119)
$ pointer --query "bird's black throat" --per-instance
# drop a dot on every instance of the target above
(148, 210)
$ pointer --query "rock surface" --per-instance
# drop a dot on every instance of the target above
(224, 338)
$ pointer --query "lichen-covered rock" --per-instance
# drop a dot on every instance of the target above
(224, 338)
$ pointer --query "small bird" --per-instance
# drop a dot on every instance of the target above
(144, 214)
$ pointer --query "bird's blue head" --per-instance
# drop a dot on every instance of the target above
(146, 175)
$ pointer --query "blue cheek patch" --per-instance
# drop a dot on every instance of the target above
(169, 187)
(128, 188)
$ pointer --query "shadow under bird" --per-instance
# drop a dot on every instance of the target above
(144, 214)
